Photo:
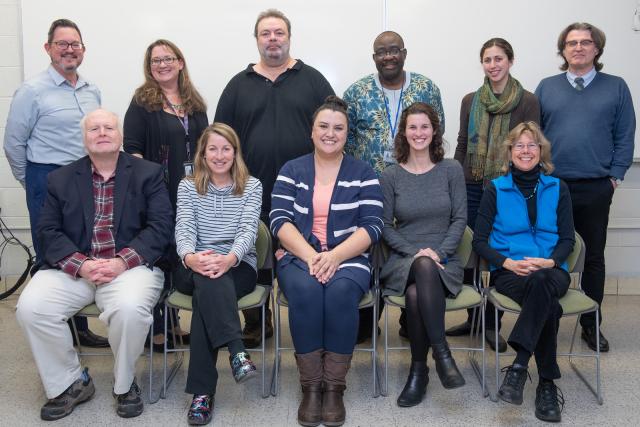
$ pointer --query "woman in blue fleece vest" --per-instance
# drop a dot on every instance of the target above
(525, 231)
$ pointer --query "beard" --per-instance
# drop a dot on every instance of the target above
(276, 56)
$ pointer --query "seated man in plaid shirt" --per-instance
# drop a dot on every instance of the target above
(105, 224)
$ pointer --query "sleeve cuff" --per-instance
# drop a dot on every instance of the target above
(72, 263)
(130, 258)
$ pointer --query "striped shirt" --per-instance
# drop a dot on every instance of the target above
(356, 202)
(218, 220)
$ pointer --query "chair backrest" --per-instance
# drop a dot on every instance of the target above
(465, 249)
(575, 260)
(263, 244)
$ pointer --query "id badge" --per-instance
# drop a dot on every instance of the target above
(387, 156)
(188, 168)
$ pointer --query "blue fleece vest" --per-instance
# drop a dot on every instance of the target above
(513, 235)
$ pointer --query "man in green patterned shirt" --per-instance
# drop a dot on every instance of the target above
(376, 102)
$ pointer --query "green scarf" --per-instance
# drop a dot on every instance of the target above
(485, 135)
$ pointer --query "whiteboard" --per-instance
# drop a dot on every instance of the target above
(443, 40)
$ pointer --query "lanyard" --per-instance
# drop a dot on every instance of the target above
(184, 121)
(393, 125)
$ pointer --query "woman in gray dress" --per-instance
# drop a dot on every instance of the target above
(425, 214)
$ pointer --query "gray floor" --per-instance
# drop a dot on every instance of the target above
(21, 393)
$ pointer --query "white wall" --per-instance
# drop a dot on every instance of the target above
(443, 40)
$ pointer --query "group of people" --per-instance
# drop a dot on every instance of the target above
(332, 177)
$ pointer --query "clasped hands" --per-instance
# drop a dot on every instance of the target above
(102, 270)
(209, 263)
(323, 265)
(430, 253)
(528, 265)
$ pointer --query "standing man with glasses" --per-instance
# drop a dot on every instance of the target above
(269, 104)
(588, 116)
(43, 129)
(375, 104)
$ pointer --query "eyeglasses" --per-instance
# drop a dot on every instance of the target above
(583, 43)
(520, 147)
(64, 45)
(155, 62)
(392, 51)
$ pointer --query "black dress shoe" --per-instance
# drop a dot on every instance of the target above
(89, 339)
(549, 402)
(513, 384)
(490, 337)
(459, 330)
(448, 372)
(416, 386)
(403, 332)
(589, 336)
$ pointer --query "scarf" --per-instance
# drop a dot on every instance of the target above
(485, 135)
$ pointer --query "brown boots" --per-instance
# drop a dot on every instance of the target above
(336, 367)
(322, 376)
(310, 367)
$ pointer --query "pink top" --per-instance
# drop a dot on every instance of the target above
(321, 200)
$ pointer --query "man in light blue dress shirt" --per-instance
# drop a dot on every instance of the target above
(43, 127)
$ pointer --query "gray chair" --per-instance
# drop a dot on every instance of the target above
(470, 297)
(255, 299)
(92, 310)
(369, 299)
(574, 303)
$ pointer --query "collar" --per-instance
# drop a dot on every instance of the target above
(407, 81)
(297, 66)
(588, 78)
(59, 79)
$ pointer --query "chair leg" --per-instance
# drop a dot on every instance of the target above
(495, 395)
(179, 354)
(265, 394)
(276, 355)
(152, 400)
(597, 392)
(385, 388)
(374, 340)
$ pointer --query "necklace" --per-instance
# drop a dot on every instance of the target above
(176, 106)
(532, 194)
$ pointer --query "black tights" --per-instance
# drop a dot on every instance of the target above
(425, 301)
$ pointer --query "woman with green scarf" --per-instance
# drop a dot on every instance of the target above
(486, 117)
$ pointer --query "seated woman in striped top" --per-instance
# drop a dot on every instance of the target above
(218, 211)
(326, 211)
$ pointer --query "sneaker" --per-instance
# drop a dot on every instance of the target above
(80, 391)
(130, 403)
(242, 367)
(513, 383)
(201, 410)
(549, 402)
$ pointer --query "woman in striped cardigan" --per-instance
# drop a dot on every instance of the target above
(326, 212)
(216, 228)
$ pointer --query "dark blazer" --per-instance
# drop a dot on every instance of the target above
(142, 217)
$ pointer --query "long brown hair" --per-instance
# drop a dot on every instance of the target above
(401, 145)
(150, 95)
(201, 173)
(599, 39)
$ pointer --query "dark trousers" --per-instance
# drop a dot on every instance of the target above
(536, 328)
(591, 199)
(320, 316)
(474, 195)
(35, 182)
(215, 322)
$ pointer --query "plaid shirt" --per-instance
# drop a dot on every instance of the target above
(103, 244)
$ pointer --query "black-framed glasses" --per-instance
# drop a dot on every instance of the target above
(64, 45)
(155, 62)
(583, 43)
(392, 51)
